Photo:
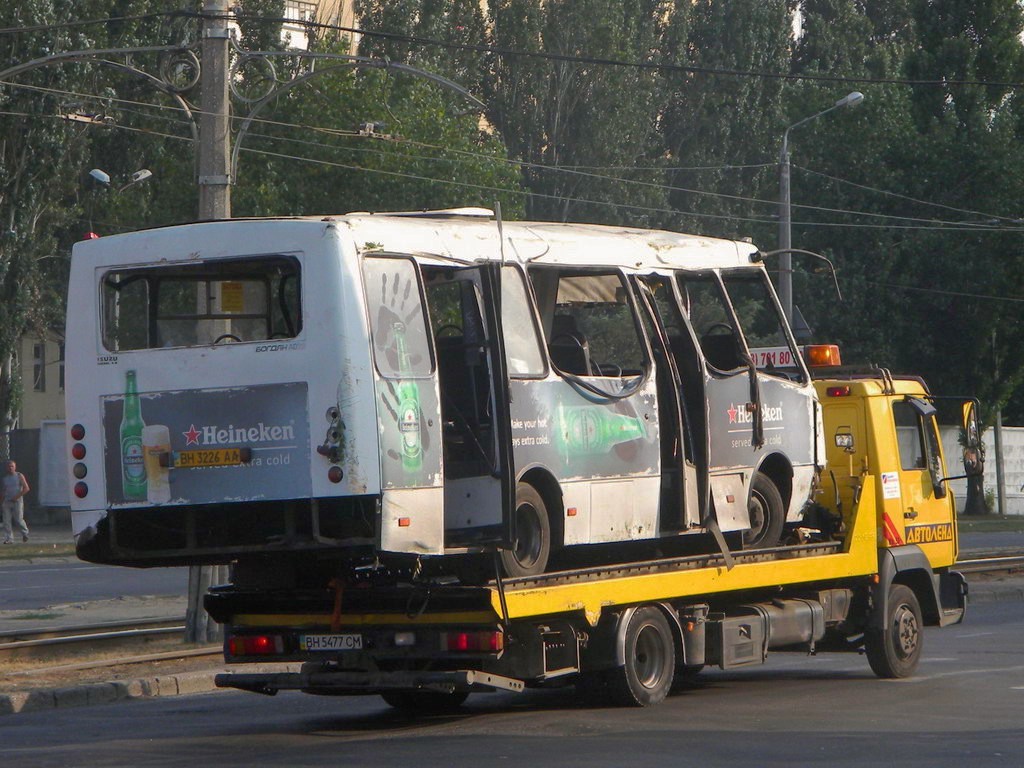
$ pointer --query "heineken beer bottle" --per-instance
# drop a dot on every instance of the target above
(594, 430)
(133, 468)
(408, 408)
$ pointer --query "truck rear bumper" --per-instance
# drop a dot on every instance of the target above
(359, 683)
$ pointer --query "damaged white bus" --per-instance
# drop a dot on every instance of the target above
(437, 384)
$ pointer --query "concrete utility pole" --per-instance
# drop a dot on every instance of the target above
(215, 120)
(214, 203)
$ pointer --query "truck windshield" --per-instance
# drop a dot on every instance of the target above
(195, 304)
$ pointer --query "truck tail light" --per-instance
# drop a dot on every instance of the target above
(255, 645)
(488, 641)
(837, 391)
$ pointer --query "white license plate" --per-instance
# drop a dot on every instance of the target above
(331, 642)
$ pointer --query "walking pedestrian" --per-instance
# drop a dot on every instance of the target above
(13, 487)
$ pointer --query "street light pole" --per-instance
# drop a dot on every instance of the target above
(785, 221)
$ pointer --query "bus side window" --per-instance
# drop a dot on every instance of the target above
(712, 322)
(522, 346)
(589, 322)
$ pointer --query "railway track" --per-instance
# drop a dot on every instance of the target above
(112, 644)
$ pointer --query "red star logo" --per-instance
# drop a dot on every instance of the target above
(732, 413)
(192, 436)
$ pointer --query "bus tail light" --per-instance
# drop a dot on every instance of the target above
(837, 391)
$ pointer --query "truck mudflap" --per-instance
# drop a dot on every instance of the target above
(354, 683)
(952, 591)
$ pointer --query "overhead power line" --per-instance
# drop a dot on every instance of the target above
(91, 22)
(644, 65)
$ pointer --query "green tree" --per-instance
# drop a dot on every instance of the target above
(41, 155)
(721, 130)
(586, 133)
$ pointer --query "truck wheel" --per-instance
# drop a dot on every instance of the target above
(646, 677)
(530, 551)
(767, 514)
(895, 650)
(424, 702)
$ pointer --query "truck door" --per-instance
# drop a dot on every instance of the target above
(927, 510)
(407, 408)
(465, 316)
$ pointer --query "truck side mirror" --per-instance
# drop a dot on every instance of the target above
(974, 448)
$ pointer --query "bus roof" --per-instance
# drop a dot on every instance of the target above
(469, 235)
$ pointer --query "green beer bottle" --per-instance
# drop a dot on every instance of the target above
(594, 430)
(133, 468)
(408, 408)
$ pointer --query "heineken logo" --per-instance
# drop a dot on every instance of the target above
(220, 435)
(740, 415)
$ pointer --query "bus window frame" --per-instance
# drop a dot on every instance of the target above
(798, 358)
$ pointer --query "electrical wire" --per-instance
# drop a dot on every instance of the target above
(921, 224)
(91, 22)
(866, 188)
(642, 65)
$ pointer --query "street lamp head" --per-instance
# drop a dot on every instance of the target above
(140, 175)
(850, 100)
(101, 176)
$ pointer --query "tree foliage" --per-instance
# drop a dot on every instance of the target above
(652, 112)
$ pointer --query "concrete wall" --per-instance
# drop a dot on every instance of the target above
(1013, 466)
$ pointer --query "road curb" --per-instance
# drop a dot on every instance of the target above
(87, 694)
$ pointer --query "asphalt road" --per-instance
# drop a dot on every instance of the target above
(963, 708)
(50, 581)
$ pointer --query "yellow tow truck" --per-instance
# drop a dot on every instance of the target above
(871, 566)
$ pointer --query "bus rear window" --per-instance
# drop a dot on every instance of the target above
(195, 304)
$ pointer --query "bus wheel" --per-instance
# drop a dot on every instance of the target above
(424, 702)
(767, 514)
(646, 677)
(529, 553)
(895, 650)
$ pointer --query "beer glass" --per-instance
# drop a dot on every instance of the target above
(156, 440)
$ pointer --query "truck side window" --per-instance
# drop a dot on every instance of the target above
(397, 319)
(909, 436)
(589, 322)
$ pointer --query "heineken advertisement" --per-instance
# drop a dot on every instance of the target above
(205, 446)
(555, 426)
(409, 431)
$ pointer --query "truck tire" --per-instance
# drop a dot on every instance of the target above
(895, 650)
(532, 547)
(646, 677)
(767, 514)
(424, 702)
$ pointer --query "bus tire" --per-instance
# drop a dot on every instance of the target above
(424, 702)
(895, 650)
(532, 547)
(650, 661)
(767, 514)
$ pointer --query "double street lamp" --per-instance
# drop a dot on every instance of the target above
(785, 222)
